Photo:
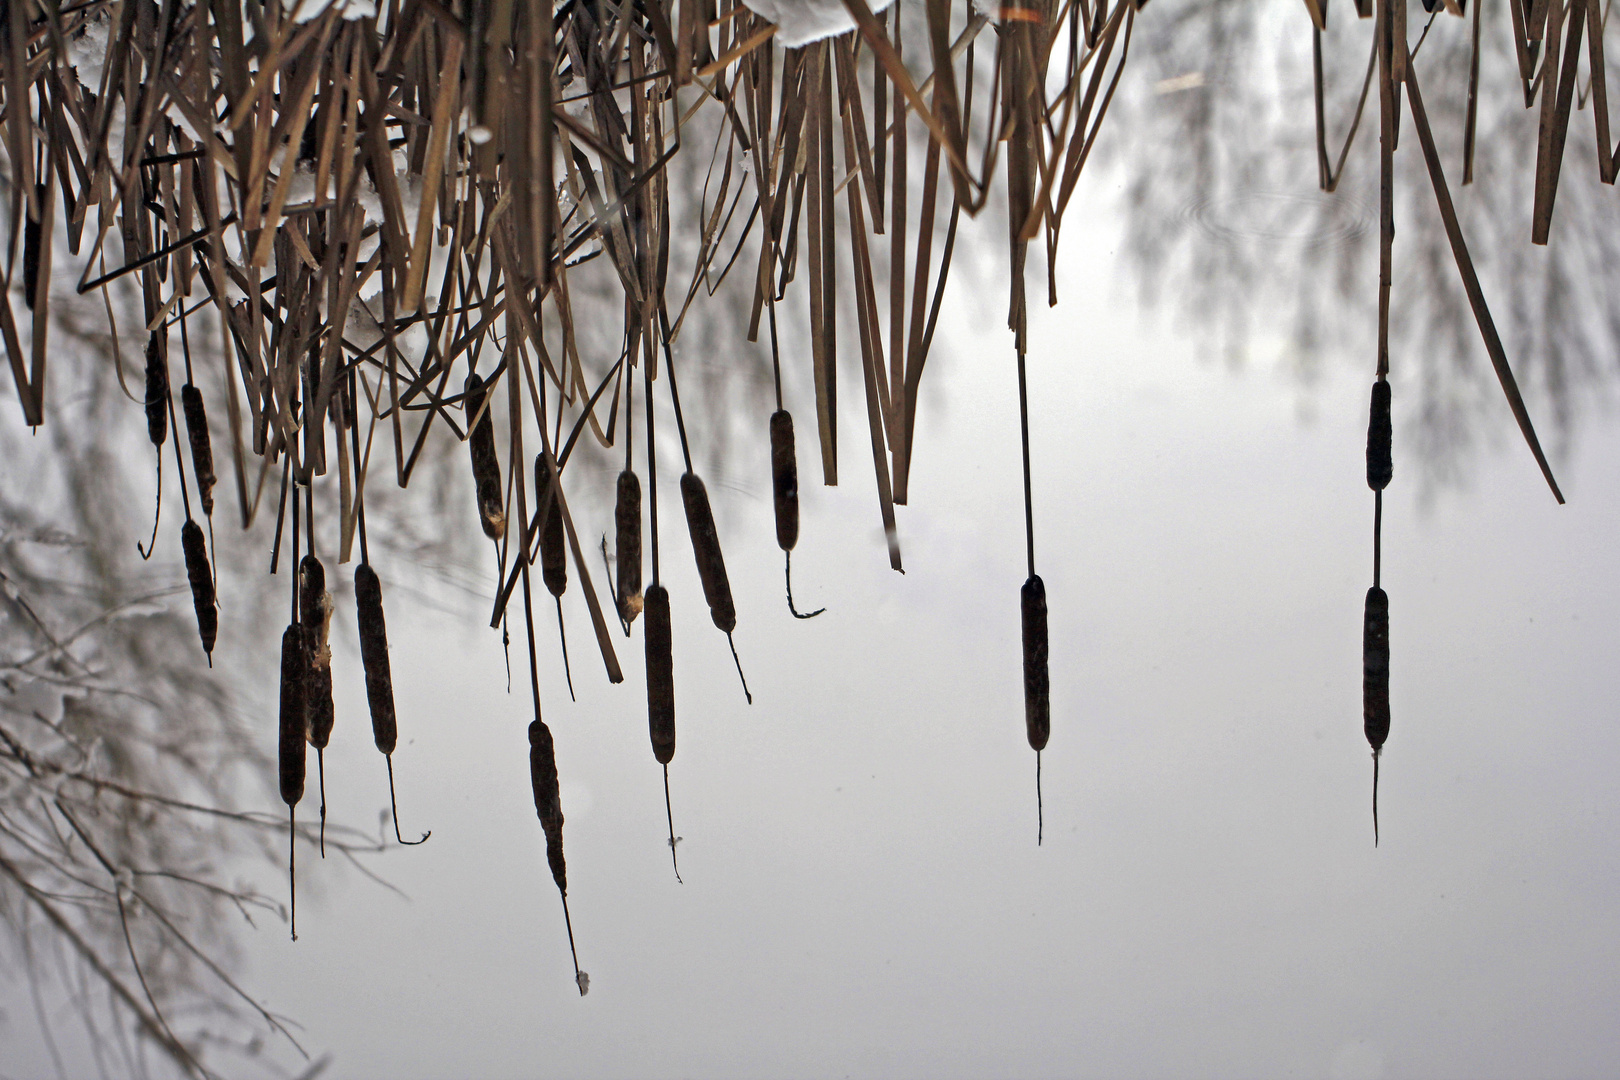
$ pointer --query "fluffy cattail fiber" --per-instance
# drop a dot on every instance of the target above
(660, 675)
(201, 578)
(1037, 681)
(627, 524)
(486, 466)
(706, 546)
(374, 657)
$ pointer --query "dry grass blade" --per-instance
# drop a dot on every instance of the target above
(1476, 295)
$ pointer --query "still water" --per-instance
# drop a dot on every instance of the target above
(863, 892)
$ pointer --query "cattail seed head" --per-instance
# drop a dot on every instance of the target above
(202, 450)
(706, 546)
(315, 613)
(548, 799)
(486, 466)
(660, 675)
(1037, 680)
(627, 525)
(785, 479)
(374, 657)
(201, 577)
(1375, 667)
(31, 242)
(1380, 462)
(157, 388)
(553, 542)
(294, 725)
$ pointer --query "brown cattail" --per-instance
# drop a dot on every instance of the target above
(32, 229)
(706, 546)
(627, 520)
(202, 583)
(553, 543)
(379, 678)
(157, 389)
(1380, 463)
(548, 799)
(1375, 681)
(548, 804)
(294, 725)
(202, 450)
(486, 466)
(660, 675)
(315, 613)
(1037, 682)
(785, 479)
(374, 656)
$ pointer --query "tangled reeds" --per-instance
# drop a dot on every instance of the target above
(365, 201)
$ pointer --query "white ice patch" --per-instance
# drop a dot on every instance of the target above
(799, 22)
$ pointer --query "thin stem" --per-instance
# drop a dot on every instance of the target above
(563, 634)
(393, 806)
(281, 514)
(1376, 755)
(776, 358)
(738, 662)
(1378, 543)
(157, 512)
(787, 572)
(579, 976)
(1040, 813)
(674, 391)
(292, 872)
(320, 767)
(1023, 425)
(669, 815)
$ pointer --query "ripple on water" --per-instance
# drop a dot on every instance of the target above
(1309, 220)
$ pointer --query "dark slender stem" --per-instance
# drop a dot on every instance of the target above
(292, 871)
(740, 674)
(320, 768)
(563, 634)
(1023, 425)
(787, 572)
(1040, 813)
(281, 514)
(393, 806)
(1378, 542)
(776, 358)
(674, 391)
(670, 817)
(1376, 755)
(569, 923)
(652, 468)
(157, 512)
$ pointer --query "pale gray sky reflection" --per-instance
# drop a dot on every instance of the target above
(864, 896)
(863, 892)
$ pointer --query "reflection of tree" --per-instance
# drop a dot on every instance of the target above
(123, 763)
(1225, 222)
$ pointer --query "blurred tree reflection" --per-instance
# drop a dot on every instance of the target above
(1226, 226)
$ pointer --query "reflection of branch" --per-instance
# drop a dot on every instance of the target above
(152, 1026)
